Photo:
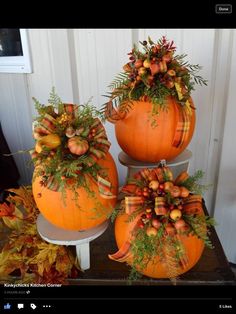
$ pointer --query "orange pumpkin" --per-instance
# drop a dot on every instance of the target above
(156, 269)
(91, 211)
(141, 141)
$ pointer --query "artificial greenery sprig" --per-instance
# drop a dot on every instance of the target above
(70, 139)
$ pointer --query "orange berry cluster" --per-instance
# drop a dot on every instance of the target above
(64, 118)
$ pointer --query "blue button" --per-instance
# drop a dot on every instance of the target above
(7, 306)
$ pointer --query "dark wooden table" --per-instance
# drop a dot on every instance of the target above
(212, 268)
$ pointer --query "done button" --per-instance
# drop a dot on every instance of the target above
(223, 8)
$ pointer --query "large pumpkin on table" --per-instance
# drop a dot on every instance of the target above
(91, 211)
(144, 142)
(156, 269)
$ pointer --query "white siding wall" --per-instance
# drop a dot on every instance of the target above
(225, 206)
(81, 63)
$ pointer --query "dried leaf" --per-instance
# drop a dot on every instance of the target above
(45, 258)
(63, 262)
(37, 260)
(23, 196)
(6, 210)
(14, 221)
(10, 261)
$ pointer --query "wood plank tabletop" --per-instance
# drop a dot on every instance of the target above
(212, 268)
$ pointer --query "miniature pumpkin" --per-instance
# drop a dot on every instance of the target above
(77, 145)
(88, 212)
(144, 142)
(156, 269)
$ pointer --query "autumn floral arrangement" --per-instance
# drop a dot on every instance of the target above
(160, 226)
(70, 139)
(152, 75)
(24, 256)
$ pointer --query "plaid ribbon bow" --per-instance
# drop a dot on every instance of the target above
(183, 125)
(183, 119)
(132, 204)
(192, 204)
(97, 150)
(104, 187)
(100, 146)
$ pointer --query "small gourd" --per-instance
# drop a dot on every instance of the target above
(50, 141)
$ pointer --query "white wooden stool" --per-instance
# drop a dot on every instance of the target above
(177, 165)
(80, 239)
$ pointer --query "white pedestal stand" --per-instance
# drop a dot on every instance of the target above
(80, 239)
(177, 165)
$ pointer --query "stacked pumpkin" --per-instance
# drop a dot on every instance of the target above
(154, 117)
(161, 227)
(150, 104)
(75, 177)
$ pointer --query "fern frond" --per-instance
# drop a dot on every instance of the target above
(170, 257)
(38, 106)
(198, 224)
(191, 183)
(54, 99)
(120, 80)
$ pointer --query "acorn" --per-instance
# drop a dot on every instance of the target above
(70, 132)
